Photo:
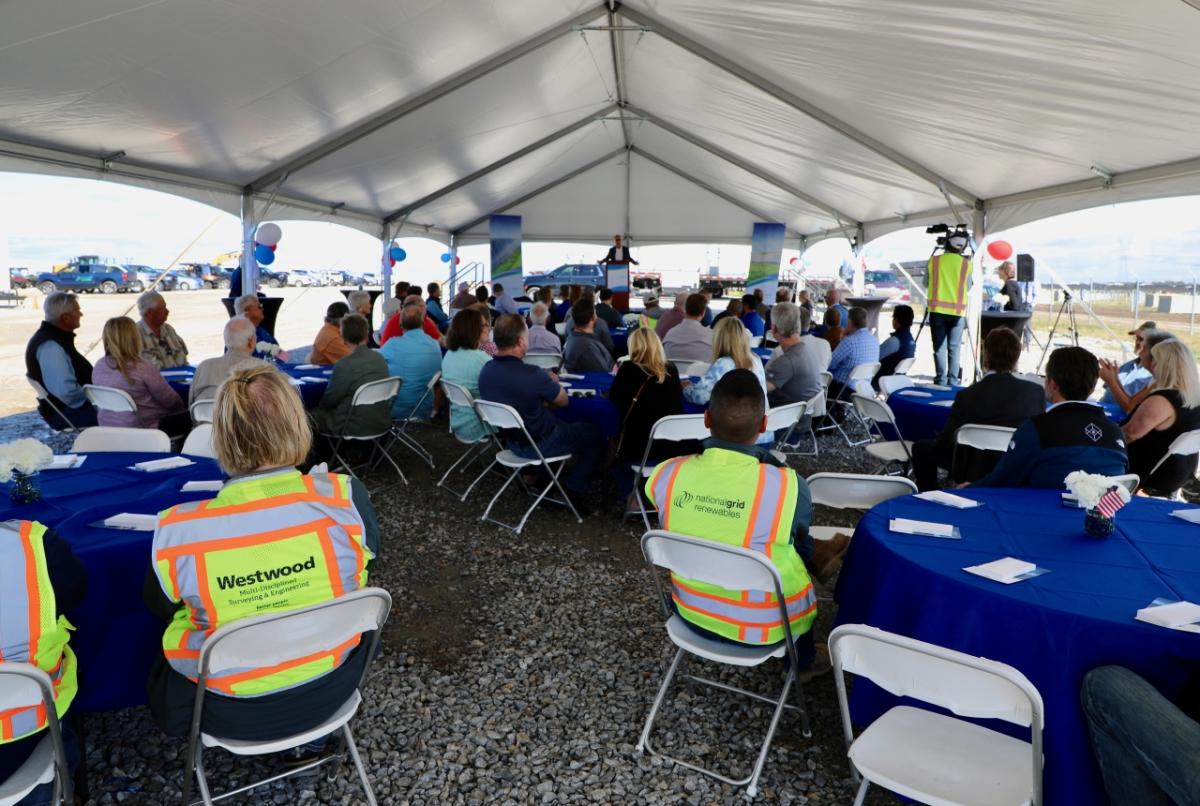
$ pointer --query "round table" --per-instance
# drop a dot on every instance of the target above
(310, 379)
(598, 409)
(1053, 628)
(116, 638)
(1013, 320)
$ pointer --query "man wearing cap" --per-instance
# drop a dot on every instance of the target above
(651, 312)
(1132, 375)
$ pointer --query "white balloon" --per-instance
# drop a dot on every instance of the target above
(269, 234)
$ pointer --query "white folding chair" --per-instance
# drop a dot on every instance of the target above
(994, 438)
(108, 439)
(697, 368)
(459, 395)
(684, 365)
(826, 379)
(889, 451)
(106, 398)
(903, 366)
(930, 757)
(202, 411)
(734, 568)
(501, 418)
(23, 685)
(1186, 444)
(755, 341)
(815, 409)
(279, 638)
(856, 491)
(1040, 380)
(672, 428)
(44, 396)
(400, 427)
(199, 442)
(369, 394)
(893, 383)
(786, 418)
(560, 328)
(550, 361)
(1130, 481)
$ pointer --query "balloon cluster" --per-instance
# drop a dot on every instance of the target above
(265, 241)
(446, 258)
(396, 255)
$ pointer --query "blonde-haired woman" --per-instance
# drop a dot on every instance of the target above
(122, 367)
(1173, 408)
(1007, 273)
(272, 540)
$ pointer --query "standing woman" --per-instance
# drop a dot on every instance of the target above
(122, 367)
(1173, 408)
(1007, 273)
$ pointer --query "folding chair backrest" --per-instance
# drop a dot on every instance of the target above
(499, 415)
(856, 490)
(202, 411)
(970, 687)
(678, 427)
(984, 437)
(434, 380)
(863, 372)
(1040, 380)
(269, 640)
(1129, 481)
(683, 365)
(826, 379)
(904, 366)
(374, 392)
(551, 361)
(875, 411)
(23, 685)
(698, 368)
(104, 438)
(785, 416)
(755, 341)
(42, 394)
(199, 442)
(1186, 444)
(892, 383)
(457, 394)
(730, 567)
(107, 398)
(561, 328)
(816, 404)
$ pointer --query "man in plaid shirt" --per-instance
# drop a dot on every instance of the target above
(858, 346)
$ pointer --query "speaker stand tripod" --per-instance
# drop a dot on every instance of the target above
(1068, 306)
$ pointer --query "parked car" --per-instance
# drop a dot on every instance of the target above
(20, 277)
(183, 280)
(886, 283)
(301, 278)
(569, 274)
(89, 277)
(148, 275)
(272, 279)
(214, 276)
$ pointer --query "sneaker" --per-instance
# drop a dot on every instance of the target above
(821, 664)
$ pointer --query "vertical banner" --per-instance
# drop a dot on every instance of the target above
(505, 231)
(766, 252)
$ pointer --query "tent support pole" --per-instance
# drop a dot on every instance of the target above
(249, 262)
(385, 262)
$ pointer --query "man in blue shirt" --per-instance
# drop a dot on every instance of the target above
(898, 346)
(249, 306)
(833, 299)
(858, 346)
(504, 303)
(1073, 434)
(1125, 381)
(415, 358)
(52, 360)
(433, 307)
(750, 318)
(533, 391)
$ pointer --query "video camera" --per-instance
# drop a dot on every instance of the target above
(955, 240)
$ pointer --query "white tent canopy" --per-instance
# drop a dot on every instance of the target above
(667, 120)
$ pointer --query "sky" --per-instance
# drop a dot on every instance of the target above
(47, 219)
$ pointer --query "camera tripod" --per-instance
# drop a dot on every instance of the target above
(1068, 305)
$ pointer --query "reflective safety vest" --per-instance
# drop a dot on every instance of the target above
(646, 321)
(730, 497)
(947, 289)
(266, 544)
(29, 631)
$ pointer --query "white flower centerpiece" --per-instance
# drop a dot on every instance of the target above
(20, 461)
(1101, 497)
(267, 349)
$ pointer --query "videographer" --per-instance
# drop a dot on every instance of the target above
(948, 276)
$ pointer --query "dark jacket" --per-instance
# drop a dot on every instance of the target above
(65, 339)
(998, 399)
(611, 257)
(639, 412)
(584, 352)
(1146, 452)
(610, 316)
(349, 373)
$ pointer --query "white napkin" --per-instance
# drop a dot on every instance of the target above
(945, 403)
(295, 381)
(69, 460)
(308, 366)
(1174, 616)
(914, 393)
(202, 486)
(938, 386)
(169, 463)
(177, 373)
(1189, 515)
(570, 377)
(132, 520)
(949, 499)
(908, 526)
(1007, 570)
(564, 384)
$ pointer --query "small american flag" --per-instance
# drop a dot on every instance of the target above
(1109, 503)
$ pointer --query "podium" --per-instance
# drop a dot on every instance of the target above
(1013, 320)
(270, 306)
(872, 305)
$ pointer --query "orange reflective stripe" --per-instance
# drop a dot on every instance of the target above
(252, 506)
(664, 507)
(962, 282)
(783, 492)
(331, 564)
(182, 654)
(311, 485)
(32, 589)
(226, 543)
(6, 728)
(933, 280)
(748, 538)
(226, 684)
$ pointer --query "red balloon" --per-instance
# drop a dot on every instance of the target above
(1000, 250)
(392, 261)
(272, 246)
(457, 260)
(793, 261)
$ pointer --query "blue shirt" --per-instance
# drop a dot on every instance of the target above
(433, 308)
(845, 312)
(754, 323)
(463, 367)
(58, 376)
(855, 348)
(414, 357)
(509, 380)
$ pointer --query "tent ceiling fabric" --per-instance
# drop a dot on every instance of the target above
(822, 114)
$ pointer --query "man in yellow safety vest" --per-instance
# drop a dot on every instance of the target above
(949, 277)
(736, 493)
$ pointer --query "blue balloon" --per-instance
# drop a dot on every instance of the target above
(263, 254)
(445, 257)
(397, 254)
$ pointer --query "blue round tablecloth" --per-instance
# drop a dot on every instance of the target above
(313, 381)
(1053, 628)
(599, 409)
(116, 638)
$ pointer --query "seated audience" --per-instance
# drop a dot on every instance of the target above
(727, 485)
(122, 367)
(819, 346)
(249, 306)
(161, 345)
(415, 358)
(857, 347)
(533, 392)
(359, 366)
(806, 302)
(671, 318)
(463, 299)
(502, 300)
(707, 319)
(833, 300)
(1145, 745)
(898, 346)
(1125, 385)
(690, 340)
(732, 308)
(1171, 409)
(794, 375)
(392, 328)
(542, 340)
(731, 350)
(239, 352)
(433, 307)
(584, 351)
(461, 365)
(359, 302)
(52, 360)
(44, 580)
(329, 347)
(545, 295)
(750, 316)
(601, 329)
(563, 309)
(486, 344)
(260, 433)
(998, 398)
(645, 390)
(1073, 434)
(832, 330)
(650, 310)
(606, 312)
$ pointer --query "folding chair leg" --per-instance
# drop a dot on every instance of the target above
(392, 462)
(201, 778)
(478, 479)
(487, 512)
(644, 742)
(861, 797)
(802, 706)
(358, 765)
(752, 789)
(472, 452)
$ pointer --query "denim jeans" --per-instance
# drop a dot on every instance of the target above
(1146, 747)
(946, 331)
(582, 441)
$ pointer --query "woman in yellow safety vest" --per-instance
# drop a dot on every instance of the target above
(272, 540)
